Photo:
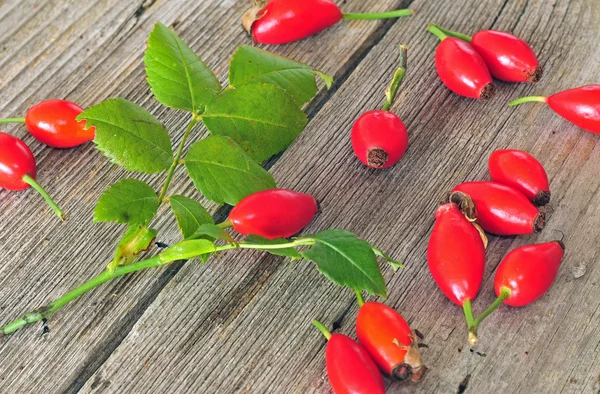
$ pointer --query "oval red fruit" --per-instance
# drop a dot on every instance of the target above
(456, 254)
(387, 337)
(580, 106)
(379, 139)
(350, 368)
(508, 57)
(528, 272)
(523, 172)
(503, 210)
(16, 161)
(274, 213)
(53, 123)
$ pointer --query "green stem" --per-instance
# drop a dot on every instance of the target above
(12, 120)
(528, 99)
(33, 183)
(359, 298)
(177, 157)
(293, 244)
(451, 33)
(392, 91)
(381, 15)
(468, 312)
(436, 31)
(322, 328)
(504, 294)
(225, 224)
(45, 311)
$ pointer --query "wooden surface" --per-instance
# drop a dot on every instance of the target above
(242, 322)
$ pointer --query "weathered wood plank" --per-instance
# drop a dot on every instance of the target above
(86, 52)
(241, 325)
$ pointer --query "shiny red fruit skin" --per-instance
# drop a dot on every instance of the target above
(523, 172)
(53, 123)
(462, 69)
(580, 106)
(16, 161)
(528, 272)
(377, 131)
(350, 368)
(456, 255)
(501, 209)
(508, 57)
(377, 326)
(285, 21)
(274, 213)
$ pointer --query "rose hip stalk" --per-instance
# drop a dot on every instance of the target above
(18, 169)
(274, 213)
(523, 276)
(53, 123)
(387, 337)
(523, 172)
(379, 137)
(456, 252)
(508, 57)
(349, 367)
(580, 106)
(461, 68)
(503, 210)
(284, 21)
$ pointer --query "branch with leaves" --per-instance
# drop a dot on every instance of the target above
(257, 116)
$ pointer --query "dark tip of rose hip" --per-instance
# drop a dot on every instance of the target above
(535, 75)
(402, 372)
(561, 244)
(542, 198)
(540, 222)
(488, 91)
(377, 157)
(465, 204)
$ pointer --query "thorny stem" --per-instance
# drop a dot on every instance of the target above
(322, 328)
(504, 294)
(451, 33)
(12, 120)
(392, 91)
(381, 15)
(436, 31)
(177, 157)
(359, 298)
(468, 312)
(33, 183)
(528, 99)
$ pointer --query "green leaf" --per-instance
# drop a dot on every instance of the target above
(190, 214)
(130, 136)
(187, 250)
(251, 65)
(288, 252)
(135, 241)
(128, 201)
(346, 260)
(223, 172)
(213, 232)
(177, 76)
(263, 119)
(396, 265)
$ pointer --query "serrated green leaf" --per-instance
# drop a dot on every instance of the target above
(263, 119)
(213, 232)
(288, 252)
(177, 76)
(346, 260)
(127, 201)
(186, 250)
(190, 214)
(396, 265)
(223, 172)
(129, 136)
(251, 65)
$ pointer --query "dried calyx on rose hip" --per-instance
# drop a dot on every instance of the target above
(580, 106)
(284, 21)
(379, 138)
(507, 57)
(461, 68)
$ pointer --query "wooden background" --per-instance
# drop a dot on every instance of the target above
(242, 322)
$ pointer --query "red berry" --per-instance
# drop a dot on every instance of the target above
(503, 210)
(508, 57)
(523, 172)
(16, 161)
(379, 139)
(528, 272)
(53, 123)
(274, 213)
(456, 251)
(387, 337)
